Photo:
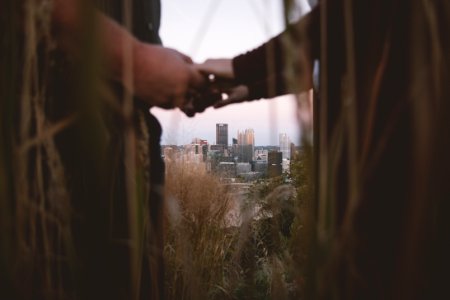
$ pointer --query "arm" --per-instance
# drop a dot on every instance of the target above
(161, 76)
(296, 47)
(280, 66)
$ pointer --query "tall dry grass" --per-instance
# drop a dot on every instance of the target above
(198, 239)
(261, 255)
(36, 238)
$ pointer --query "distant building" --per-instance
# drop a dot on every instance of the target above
(275, 161)
(193, 153)
(199, 141)
(246, 137)
(244, 153)
(222, 134)
(243, 168)
(213, 159)
(204, 152)
(261, 155)
(226, 169)
(260, 167)
(245, 145)
(199, 147)
(220, 148)
(285, 145)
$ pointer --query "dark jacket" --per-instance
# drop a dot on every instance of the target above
(274, 68)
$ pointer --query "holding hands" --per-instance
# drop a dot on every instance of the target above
(223, 81)
(219, 90)
(168, 79)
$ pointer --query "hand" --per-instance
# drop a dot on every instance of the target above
(219, 92)
(215, 97)
(163, 77)
(219, 67)
(200, 101)
(236, 94)
(222, 90)
(221, 81)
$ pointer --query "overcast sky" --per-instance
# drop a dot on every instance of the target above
(222, 29)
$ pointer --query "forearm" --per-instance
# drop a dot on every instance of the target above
(114, 40)
(270, 62)
(157, 75)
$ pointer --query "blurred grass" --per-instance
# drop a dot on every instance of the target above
(9, 56)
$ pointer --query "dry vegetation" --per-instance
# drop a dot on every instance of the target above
(264, 256)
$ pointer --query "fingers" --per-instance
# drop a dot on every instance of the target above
(196, 80)
(189, 109)
(199, 102)
(236, 95)
(220, 67)
(177, 82)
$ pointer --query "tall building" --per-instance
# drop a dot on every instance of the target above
(222, 134)
(200, 147)
(244, 153)
(246, 137)
(275, 167)
(285, 145)
(246, 145)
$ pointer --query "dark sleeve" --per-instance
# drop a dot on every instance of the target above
(269, 87)
(257, 64)
(146, 17)
(264, 69)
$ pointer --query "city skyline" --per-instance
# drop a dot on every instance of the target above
(245, 136)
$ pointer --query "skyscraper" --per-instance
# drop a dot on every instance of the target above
(222, 134)
(275, 167)
(285, 145)
(246, 137)
(246, 145)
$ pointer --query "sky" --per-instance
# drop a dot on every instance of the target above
(206, 29)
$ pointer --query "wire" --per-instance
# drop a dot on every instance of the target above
(204, 26)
